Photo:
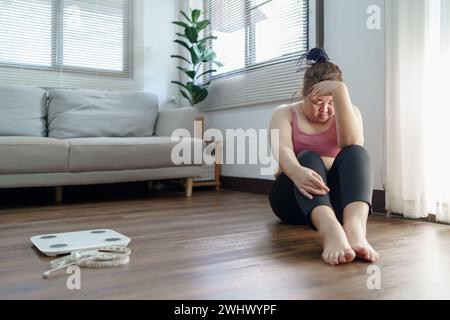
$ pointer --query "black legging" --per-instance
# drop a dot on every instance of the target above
(349, 180)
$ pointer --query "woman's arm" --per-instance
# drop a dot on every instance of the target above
(348, 118)
(283, 150)
(308, 182)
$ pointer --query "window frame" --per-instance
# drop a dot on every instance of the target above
(57, 48)
(250, 41)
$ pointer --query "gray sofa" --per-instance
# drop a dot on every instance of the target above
(57, 138)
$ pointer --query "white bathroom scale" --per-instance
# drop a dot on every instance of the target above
(63, 243)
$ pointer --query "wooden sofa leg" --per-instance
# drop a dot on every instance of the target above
(58, 194)
(189, 186)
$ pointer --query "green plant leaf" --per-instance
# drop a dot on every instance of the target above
(181, 35)
(180, 84)
(202, 25)
(186, 96)
(196, 88)
(199, 96)
(182, 58)
(194, 57)
(186, 16)
(181, 24)
(189, 73)
(201, 47)
(195, 15)
(209, 56)
(200, 52)
(217, 63)
(197, 51)
(190, 86)
(205, 73)
(182, 43)
(206, 39)
(207, 52)
(191, 34)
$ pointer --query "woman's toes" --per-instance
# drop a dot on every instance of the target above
(375, 256)
(363, 249)
(350, 255)
(336, 248)
(366, 254)
(361, 252)
(346, 256)
(337, 258)
(331, 258)
(326, 258)
(342, 258)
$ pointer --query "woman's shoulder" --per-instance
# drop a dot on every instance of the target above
(285, 110)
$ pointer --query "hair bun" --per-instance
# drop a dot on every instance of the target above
(317, 55)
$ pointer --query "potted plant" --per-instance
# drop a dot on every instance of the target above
(199, 56)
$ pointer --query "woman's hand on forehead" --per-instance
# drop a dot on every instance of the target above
(325, 88)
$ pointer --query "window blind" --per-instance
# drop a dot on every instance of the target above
(259, 42)
(72, 43)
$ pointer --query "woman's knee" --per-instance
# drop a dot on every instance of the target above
(355, 151)
(355, 165)
(307, 158)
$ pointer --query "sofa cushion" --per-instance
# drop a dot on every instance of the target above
(173, 119)
(93, 113)
(33, 155)
(23, 111)
(103, 154)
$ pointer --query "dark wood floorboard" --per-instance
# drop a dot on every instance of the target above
(217, 245)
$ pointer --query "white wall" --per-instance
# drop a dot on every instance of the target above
(159, 34)
(360, 53)
(253, 117)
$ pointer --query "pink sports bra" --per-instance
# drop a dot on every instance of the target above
(325, 144)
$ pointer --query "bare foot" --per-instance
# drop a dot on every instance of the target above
(336, 248)
(356, 235)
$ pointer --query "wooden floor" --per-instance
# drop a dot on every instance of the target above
(217, 245)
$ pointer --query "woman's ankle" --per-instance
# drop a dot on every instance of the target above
(323, 217)
(355, 227)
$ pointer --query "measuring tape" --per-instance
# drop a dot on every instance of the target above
(101, 258)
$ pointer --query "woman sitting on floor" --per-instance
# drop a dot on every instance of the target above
(325, 177)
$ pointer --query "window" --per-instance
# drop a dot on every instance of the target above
(257, 32)
(95, 34)
(259, 42)
(98, 37)
(26, 32)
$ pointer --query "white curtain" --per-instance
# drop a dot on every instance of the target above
(417, 175)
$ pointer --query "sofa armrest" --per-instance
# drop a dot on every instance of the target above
(172, 119)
